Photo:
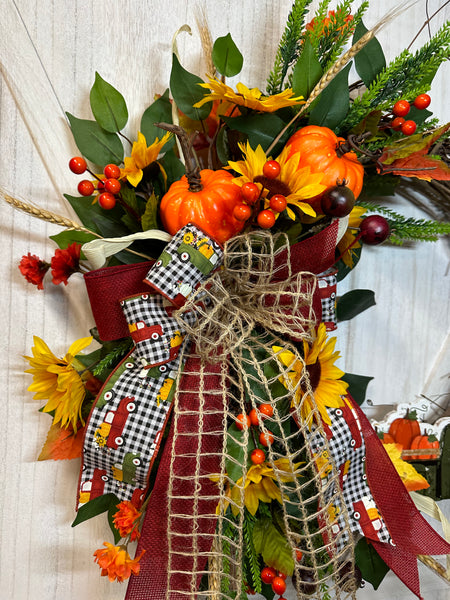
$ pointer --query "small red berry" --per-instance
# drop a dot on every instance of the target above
(401, 108)
(266, 409)
(242, 421)
(250, 192)
(107, 201)
(242, 212)
(86, 187)
(101, 185)
(422, 101)
(77, 165)
(397, 123)
(278, 203)
(374, 230)
(268, 574)
(282, 575)
(278, 585)
(409, 127)
(112, 186)
(338, 201)
(111, 171)
(253, 417)
(266, 219)
(271, 169)
(266, 439)
(298, 555)
(257, 456)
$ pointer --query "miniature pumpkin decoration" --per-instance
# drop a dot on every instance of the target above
(203, 197)
(386, 438)
(405, 429)
(427, 442)
(324, 152)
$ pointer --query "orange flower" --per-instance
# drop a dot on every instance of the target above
(125, 519)
(116, 563)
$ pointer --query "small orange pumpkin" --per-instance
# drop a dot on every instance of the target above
(319, 149)
(206, 198)
(425, 441)
(405, 429)
(386, 438)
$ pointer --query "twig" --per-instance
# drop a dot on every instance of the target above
(427, 23)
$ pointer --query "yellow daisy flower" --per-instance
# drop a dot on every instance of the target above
(324, 376)
(58, 381)
(346, 247)
(293, 183)
(251, 98)
(141, 156)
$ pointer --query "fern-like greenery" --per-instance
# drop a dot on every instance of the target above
(113, 357)
(288, 47)
(405, 77)
(406, 228)
(250, 553)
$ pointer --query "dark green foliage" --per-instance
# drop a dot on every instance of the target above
(113, 357)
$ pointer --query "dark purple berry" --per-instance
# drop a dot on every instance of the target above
(338, 201)
(374, 230)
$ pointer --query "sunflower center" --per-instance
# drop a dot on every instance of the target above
(314, 372)
(274, 186)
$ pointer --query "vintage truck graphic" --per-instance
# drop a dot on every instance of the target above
(141, 331)
(126, 470)
(109, 434)
(93, 487)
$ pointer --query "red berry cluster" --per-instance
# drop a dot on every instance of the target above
(276, 579)
(244, 421)
(401, 109)
(251, 194)
(109, 186)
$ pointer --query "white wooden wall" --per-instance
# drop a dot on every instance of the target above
(49, 52)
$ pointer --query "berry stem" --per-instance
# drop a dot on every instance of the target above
(192, 169)
(125, 138)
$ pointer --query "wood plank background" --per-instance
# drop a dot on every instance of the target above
(49, 52)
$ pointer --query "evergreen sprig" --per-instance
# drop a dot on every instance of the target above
(288, 47)
(407, 76)
(113, 357)
(407, 228)
(252, 557)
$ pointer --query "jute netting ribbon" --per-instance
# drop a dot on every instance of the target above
(249, 313)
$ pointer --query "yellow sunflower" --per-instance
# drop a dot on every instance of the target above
(251, 98)
(58, 381)
(293, 183)
(141, 156)
(259, 485)
(347, 244)
(324, 376)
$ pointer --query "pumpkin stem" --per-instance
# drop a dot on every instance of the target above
(352, 143)
(192, 169)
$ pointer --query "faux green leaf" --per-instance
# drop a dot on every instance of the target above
(173, 167)
(186, 92)
(370, 60)
(108, 105)
(357, 386)
(343, 269)
(372, 566)
(236, 452)
(333, 103)
(149, 218)
(158, 112)
(96, 144)
(65, 238)
(273, 546)
(106, 223)
(353, 303)
(307, 71)
(95, 507)
(226, 56)
(260, 128)
(111, 512)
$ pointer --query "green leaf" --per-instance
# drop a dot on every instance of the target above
(149, 218)
(343, 269)
(108, 105)
(226, 56)
(106, 223)
(357, 386)
(370, 60)
(372, 566)
(128, 196)
(186, 92)
(65, 238)
(333, 103)
(96, 144)
(158, 112)
(307, 71)
(237, 452)
(260, 128)
(95, 507)
(273, 546)
(173, 167)
(111, 512)
(353, 303)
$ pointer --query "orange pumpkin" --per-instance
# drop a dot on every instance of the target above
(386, 438)
(405, 429)
(206, 198)
(319, 149)
(425, 441)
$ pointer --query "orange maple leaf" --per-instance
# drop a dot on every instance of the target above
(62, 443)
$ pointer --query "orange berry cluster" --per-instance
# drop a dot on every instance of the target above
(401, 109)
(109, 186)
(251, 194)
(244, 421)
(275, 579)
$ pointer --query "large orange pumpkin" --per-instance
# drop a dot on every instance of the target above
(427, 442)
(206, 198)
(405, 429)
(319, 150)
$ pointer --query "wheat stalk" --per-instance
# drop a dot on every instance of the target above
(205, 38)
(328, 77)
